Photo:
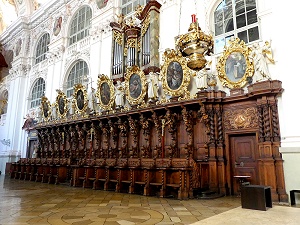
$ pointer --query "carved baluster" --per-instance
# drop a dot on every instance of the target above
(211, 116)
(220, 126)
(267, 125)
(260, 124)
(275, 123)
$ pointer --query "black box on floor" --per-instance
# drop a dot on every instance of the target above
(256, 197)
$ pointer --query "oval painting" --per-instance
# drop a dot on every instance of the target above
(105, 93)
(135, 86)
(80, 99)
(174, 75)
(235, 66)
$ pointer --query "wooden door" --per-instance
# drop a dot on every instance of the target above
(243, 150)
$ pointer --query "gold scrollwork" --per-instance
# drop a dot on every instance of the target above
(46, 108)
(118, 37)
(235, 66)
(145, 25)
(176, 74)
(105, 92)
(61, 105)
(80, 99)
(135, 85)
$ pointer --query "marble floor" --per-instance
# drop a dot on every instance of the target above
(26, 202)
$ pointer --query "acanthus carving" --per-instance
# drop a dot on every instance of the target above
(187, 117)
(134, 128)
(158, 127)
(145, 125)
(73, 142)
(240, 119)
(171, 122)
(122, 125)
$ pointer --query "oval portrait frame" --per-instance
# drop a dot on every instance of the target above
(105, 92)
(80, 99)
(135, 85)
(176, 74)
(45, 108)
(235, 66)
(61, 105)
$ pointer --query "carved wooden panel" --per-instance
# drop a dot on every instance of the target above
(240, 118)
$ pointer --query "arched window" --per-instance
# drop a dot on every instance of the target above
(76, 76)
(129, 6)
(37, 92)
(236, 18)
(80, 25)
(42, 48)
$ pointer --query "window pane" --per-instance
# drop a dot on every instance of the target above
(228, 25)
(251, 17)
(219, 45)
(228, 2)
(253, 34)
(228, 12)
(240, 7)
(218, 16)
(243, 36)
(219, 28)
(240, 21)
(250, 4)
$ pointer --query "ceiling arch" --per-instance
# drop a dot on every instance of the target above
(10, 10)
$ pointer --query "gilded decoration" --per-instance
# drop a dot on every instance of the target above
(118, 37)
(176, 74)
(135, 85)
(80, 99)
(235, 66)
(105, 92)
(145, 25)
(241, 119)
(46, 109)
(61, 104)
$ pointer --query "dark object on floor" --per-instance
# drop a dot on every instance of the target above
(256, 197)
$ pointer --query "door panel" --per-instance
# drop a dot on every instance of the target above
(243, 152)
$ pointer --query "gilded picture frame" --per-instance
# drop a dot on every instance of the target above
(46, 109)
(61, 105)
(235, 65)
(80, 99)
(135, 85)
(176, 75)
(105, 92)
